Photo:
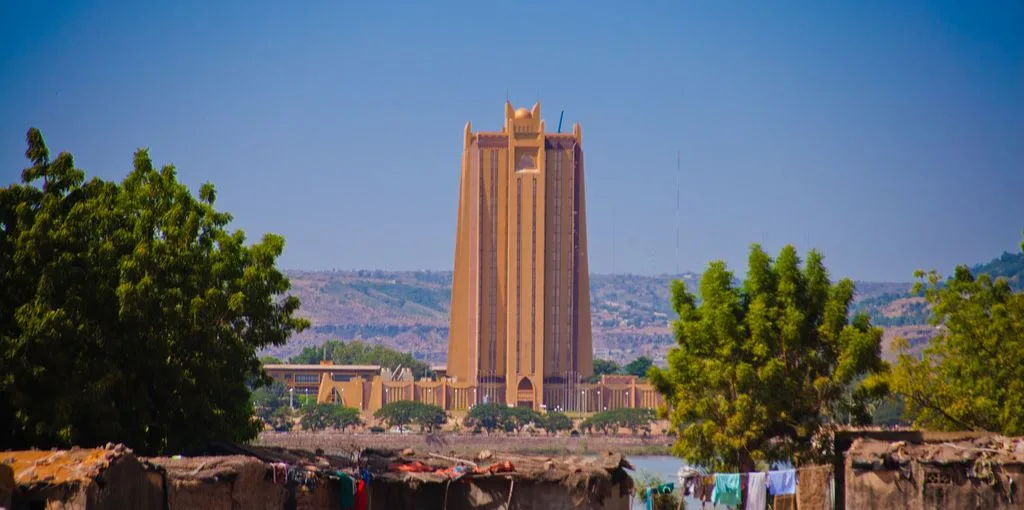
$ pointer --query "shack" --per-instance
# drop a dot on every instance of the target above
(84, 479)
(983, 472)
(497, 481)
(220, 483)
(253, 477)
(6, 486)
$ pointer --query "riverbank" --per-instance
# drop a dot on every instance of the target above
(463, 444)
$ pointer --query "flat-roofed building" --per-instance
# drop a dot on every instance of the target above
(306, 378)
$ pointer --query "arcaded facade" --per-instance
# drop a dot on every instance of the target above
(520, 314)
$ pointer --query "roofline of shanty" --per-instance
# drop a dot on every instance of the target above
(379, 462)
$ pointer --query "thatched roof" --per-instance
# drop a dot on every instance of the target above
(877, 455)
(290, 456)
(207, 469)
(40, 468)
(592, 477)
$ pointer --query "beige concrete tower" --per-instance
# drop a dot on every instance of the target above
(520, 314)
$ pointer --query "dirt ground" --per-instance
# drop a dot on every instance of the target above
(339, 442)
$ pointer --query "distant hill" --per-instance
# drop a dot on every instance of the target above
(905, 315)
(408, 310)
(1008, 265)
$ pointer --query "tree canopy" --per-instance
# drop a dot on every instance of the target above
(971, 375)
(321, 416)
(758, 368)
(131, 313)
(360, 353)
(554, 421)
(269, 398)
(604, 367)
(405, 412)
(639, 366)
(497, 416)
(612, 420)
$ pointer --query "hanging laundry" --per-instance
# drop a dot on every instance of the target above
(813, 488)
(348, 491)
(706, 489)
(727, 490)
(784, 502)
(693, 486)
(280, 471)
(690, 481)
(782, 482)
(756, 495)
(362, 495)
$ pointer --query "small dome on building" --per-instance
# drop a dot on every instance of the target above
(523, 113)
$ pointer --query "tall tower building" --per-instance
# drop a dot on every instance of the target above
(520, 314)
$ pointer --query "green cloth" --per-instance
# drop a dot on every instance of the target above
(348, 491)
(727, 490)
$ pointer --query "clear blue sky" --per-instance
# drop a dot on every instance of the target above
(890, 137)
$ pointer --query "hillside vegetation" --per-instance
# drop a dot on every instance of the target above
(408, 310)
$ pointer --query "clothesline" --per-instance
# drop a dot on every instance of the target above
(729, 488)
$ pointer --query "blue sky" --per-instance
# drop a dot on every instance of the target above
(890, 137)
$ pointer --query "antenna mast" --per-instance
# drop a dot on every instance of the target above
(615, 216)
(678, 157)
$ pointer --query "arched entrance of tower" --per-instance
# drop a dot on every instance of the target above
(524, 393)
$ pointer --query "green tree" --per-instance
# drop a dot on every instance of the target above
(639, 366)
(270, 360)
(359, 353)
(281, 419)
(342, 417)
(397, 414)
(429, 417)
(316, 417)
(634, 419)
(971, 375)
(516, 418)
(321, 416)
(601, 422)
(404, 412)
(554, 421)
(758, 369)
(488, 416)
(612, 420)
(603, 367)
(131, 313)
(268, 398)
